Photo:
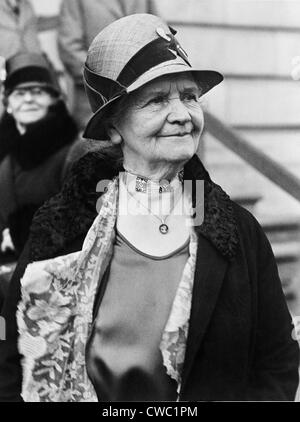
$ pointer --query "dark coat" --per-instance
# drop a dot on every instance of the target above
(239, 345)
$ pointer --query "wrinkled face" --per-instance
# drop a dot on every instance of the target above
(162, 122)
(28, 105)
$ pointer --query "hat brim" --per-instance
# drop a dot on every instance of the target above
(207, 79)
(33, 84)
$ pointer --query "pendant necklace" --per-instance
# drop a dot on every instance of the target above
(163, 228)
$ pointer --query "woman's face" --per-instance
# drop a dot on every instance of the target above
(29, 104)
(161, 124)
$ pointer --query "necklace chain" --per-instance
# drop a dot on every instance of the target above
(163, 228)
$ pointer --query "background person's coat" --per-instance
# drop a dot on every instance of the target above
(18, 29)
(240, 344)
(81, 20)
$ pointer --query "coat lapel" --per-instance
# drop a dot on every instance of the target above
(217, 244)
(209, 275)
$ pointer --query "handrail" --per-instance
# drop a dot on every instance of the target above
(235, 26)
(232, 140)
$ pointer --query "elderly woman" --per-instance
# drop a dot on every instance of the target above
(125, 291)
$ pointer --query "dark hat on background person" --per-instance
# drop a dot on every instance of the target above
(127, 54)
(30, 69)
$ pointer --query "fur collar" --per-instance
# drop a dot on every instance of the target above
(41, 140)
(68, 215)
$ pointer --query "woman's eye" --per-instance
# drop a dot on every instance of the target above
(19, 92)
(157, 100)
(190, 97)
(36, 91)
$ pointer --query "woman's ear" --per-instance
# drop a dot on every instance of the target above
(114, 135)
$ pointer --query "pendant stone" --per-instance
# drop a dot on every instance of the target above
(163, 228)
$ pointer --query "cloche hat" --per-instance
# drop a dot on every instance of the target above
(30, 69)
(127, 54)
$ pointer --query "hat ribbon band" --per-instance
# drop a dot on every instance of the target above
(152, 54)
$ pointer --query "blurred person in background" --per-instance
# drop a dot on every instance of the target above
(37, 137)
(79, 22)
(18, 30)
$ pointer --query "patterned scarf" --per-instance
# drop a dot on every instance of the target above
(55, 314)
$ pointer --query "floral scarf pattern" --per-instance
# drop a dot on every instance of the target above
(55, 314)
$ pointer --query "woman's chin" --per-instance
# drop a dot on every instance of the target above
(180, 149)
(181, 154)
(30, 118)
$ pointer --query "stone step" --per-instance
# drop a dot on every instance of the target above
(281, 229)
(286, 251)
(286, 248)
(283, 232)
(247, 200)
(288, 260)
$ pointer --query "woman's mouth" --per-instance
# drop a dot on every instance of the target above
(176, 135)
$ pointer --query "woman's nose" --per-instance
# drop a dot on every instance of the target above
(28, 96)
(178, 112)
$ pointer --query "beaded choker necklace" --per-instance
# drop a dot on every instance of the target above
(144, 184)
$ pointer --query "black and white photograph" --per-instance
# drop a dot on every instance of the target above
(149, 203)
